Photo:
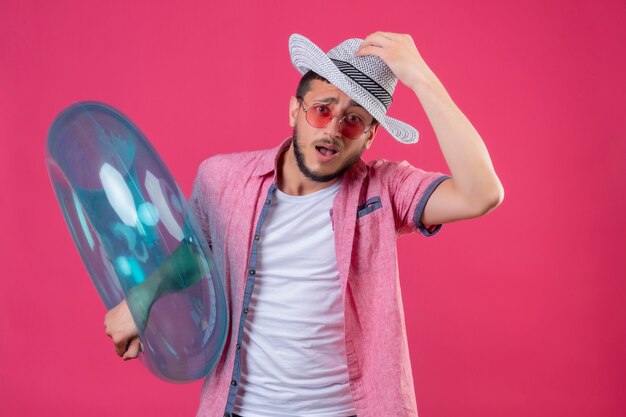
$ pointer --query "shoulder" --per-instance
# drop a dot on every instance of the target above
(384, 169)
(239, 165)
(399, 176)
(383, 165)
(235, 160)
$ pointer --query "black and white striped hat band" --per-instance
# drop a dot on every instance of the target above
(364, 81)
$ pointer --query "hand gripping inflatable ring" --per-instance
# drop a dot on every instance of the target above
(138, 238)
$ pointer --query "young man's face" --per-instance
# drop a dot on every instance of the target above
(324, 153)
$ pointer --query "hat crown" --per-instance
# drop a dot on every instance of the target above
(370, 65)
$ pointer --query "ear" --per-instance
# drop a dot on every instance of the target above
(372, 133)
(294, 106)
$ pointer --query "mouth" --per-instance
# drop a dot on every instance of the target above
(325, 153)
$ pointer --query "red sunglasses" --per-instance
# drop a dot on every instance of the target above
(319, 115)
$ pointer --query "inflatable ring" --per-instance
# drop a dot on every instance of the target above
(138, 238)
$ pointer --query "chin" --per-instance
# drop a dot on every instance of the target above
(320, 170)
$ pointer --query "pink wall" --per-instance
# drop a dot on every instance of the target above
(519, 313)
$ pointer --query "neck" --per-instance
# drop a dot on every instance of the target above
(292, 181)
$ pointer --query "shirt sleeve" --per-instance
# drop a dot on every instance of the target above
(197, 202)
(410, 189)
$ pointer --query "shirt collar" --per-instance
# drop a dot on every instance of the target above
(269, 161)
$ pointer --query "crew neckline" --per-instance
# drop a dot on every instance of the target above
(316, 195)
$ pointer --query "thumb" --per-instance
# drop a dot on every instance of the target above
(134, 347)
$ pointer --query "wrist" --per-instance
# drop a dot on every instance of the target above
(427, 85)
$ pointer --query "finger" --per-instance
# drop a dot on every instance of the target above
(386, 35)
(394, 36)
(120, 350)
(121, 346)
(134, 347)
(370, 50)
(376, 39)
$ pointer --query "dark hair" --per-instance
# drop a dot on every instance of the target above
(305, 82)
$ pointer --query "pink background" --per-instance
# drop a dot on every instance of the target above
(519, 313)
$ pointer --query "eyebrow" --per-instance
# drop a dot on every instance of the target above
(334, 100)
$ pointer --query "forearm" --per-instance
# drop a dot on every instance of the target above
(462, 147)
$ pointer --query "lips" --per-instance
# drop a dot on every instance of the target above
(325, 153)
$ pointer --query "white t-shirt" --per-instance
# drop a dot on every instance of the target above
(293, 353)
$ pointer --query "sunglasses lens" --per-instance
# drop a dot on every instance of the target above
(352, 126)
(319, 115)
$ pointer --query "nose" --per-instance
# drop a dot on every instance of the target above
(332, 129)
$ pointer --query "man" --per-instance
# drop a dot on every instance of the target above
(304, 237)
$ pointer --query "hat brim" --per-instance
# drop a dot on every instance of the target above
(306, 56)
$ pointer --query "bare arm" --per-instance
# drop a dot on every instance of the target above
(474, 188)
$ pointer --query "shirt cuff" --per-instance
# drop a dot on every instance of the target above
(428, 230)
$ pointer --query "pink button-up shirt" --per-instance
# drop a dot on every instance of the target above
(377, 202)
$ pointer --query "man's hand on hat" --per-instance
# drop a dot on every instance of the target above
(400, 54)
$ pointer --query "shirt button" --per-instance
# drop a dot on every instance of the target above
(233, 383)
(257, 237)
(238, 346)
(267, 201)
(252, 272)
(245, 310)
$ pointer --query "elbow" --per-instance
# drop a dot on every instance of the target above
(493, 199)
